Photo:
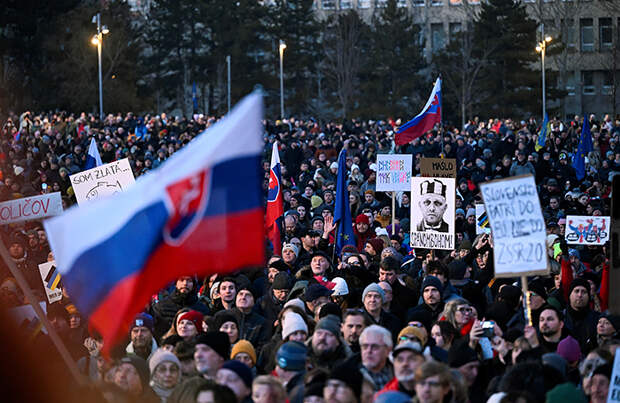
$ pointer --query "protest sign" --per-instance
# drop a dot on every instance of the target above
(393, 172)
(438, 167)
(613, 394)
(587, 230)
(30, 208)
(432, 213)
(51, 281)
(26, 318)
(517, 225)
(102, 181)
(482, 220)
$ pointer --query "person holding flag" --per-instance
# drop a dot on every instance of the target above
(275, 208)
(584, 147)
(542, 135)
(424, 121)
(342, 212)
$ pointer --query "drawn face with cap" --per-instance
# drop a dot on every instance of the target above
(433, 206)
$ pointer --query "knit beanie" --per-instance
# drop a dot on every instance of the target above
(362, 218)
(569, 349)
(193, 316)
(373, 287)
(331, 323)
(415, 332)
(432, 281)
(160, 356)
(282, 281)
(140, 365)
(295, 302)
(291, 356)
(613, 319)
(556, 361)
(225, 316)
(217, 340)
(292, 247)
(291, 323)
(461, 354)
(242, 370)
(537, 287)
(565, 393)
(142, 319)
(349, 373)
(579, 282)
(244, 346)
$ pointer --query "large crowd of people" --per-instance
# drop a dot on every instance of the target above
(379, 321)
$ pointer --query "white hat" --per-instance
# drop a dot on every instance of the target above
(291, 323)
(292, 247)
(341, 287)
(295, 302)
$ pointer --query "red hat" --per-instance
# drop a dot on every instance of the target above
(362, 218)
(193, 316)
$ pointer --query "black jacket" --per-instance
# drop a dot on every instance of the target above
(165, 310)
(253, 328)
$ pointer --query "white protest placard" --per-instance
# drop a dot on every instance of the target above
(517, 225)
(393, 172)
(587, 230)
(432, 213)
(102, 181)
(482, 220)
(30, 208)
(613, 394)
(51, 277)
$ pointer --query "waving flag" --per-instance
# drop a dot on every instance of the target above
(275, 210)
(93, 159)
(542, 136)
(584, 147)
(342, 211)
(424, 121)
(199, 213)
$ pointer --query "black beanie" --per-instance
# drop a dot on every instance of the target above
(217, 340)
(141, 367)
(457, 269)
(461, 354)
(225, 316)
(579, 282)
(349, 373)
(537, 287)
(281, 281)
(432, 281)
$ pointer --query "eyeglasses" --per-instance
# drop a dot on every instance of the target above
(465, 309)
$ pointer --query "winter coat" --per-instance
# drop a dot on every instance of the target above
(165, 310)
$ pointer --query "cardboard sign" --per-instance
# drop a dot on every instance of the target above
(51, 277)
(613, 394)
(438, 167)
(432, 213)
(30, 208)
(102, 181)
(517, 225)
(587, 230)
(393, 172)
(482, 220)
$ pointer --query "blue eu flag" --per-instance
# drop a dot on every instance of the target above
(584, 147)
(342, 212)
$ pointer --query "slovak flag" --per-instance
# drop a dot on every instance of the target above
(424, 121)
(93, 159)
(199, 213)
(275, 208)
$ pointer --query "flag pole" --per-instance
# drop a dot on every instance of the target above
(23, 284)
(335, 241)
(441, 121)
(393, 211)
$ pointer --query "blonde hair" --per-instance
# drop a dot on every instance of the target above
(276, 389)
(449, 311)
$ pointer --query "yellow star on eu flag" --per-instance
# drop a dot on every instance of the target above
(346, 237)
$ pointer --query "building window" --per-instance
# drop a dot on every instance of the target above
(587, 78)
(608, 82)
(363, 3)
(346, 4)
(456, 2)
(436, 2)
(419, 3)
(570, 83)
(401, 3)
(438, 37)
(587, 35)
(568, 32)
(381, 3)
(605, 33)
(329, 4)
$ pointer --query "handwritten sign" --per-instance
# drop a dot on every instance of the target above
(432, 213)
(613, 394)
(438, 167)
(51, 277)
(31, 208)
(482, 220)
(586, 230)
(102, 181)
(518, 226)
(393, 172)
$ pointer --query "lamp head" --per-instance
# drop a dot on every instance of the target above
(95, 40)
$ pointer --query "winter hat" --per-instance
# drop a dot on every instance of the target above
(613, 319)
(331, 323)
(465, 245)
(217, 340)
(282, 281)
(362, 218)
(341, 287)
(461, 354)
(142, 319)
(432, 281)
(140, 365)
(574, 252)
(242, 370)
(459, 211)
(556, 361)
(243, 346)
(291, 356)
(225, 316)
(295, 302)
(579, 282)
(470, 212)
(160, 356)
(457, 268)
(349, 373)
(392, 396)
(377, 245)
(373, 287)
(316, 291)
(292, 247)
(291, 323)
(538, 288)
(569, 349)
(396, 229)
(565, 393)
(415, 332)
(193, 316)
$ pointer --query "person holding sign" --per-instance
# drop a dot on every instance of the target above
(433, 206)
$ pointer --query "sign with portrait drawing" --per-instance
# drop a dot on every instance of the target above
(432, 213)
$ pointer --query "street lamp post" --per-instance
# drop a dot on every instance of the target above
(98, 41)
(228, 68)
(282, 47)
(541, 48)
